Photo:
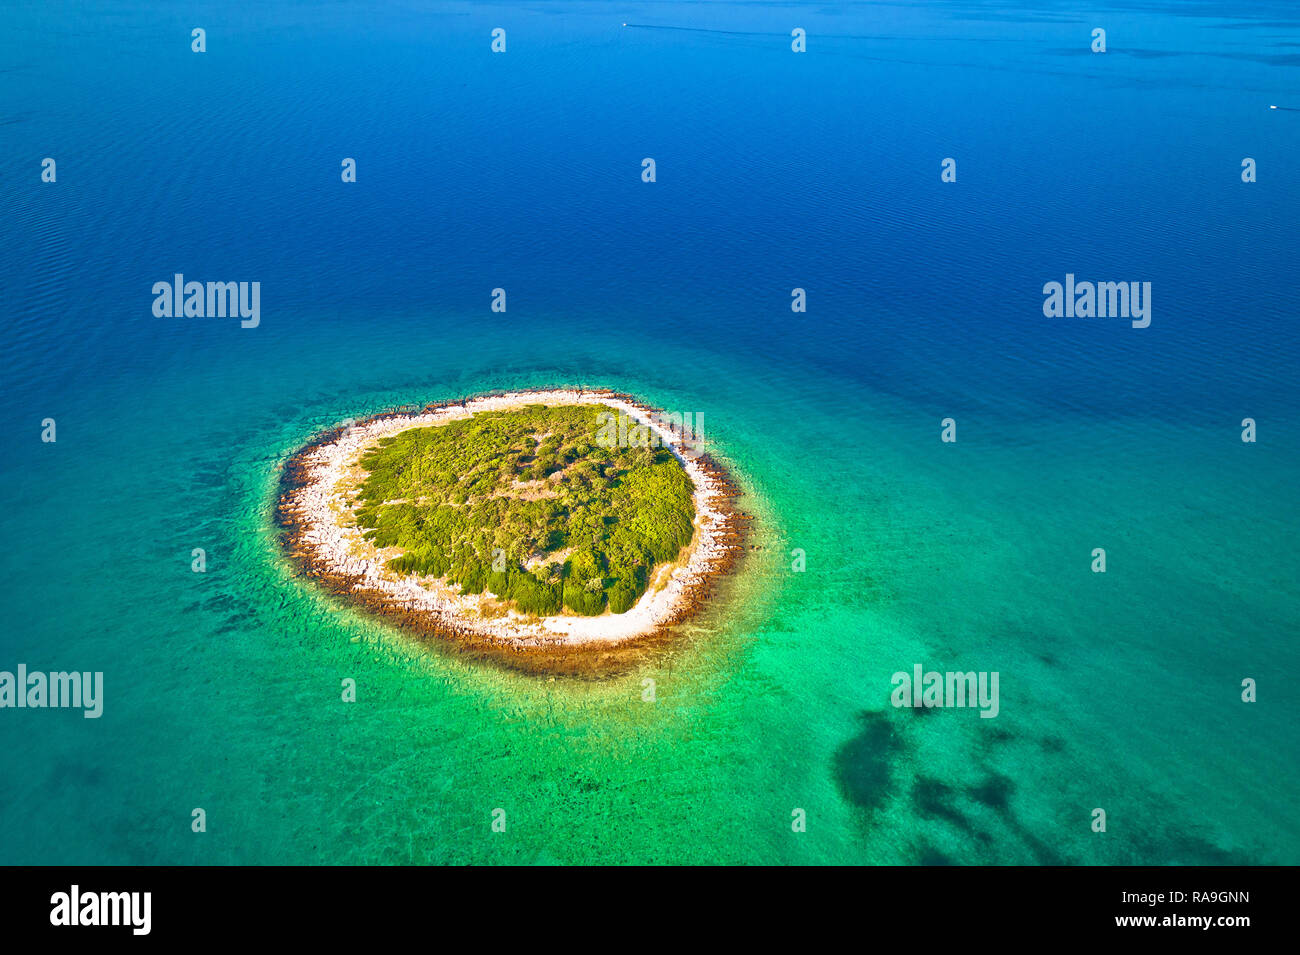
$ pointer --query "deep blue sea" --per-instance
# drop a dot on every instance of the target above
(774, 171)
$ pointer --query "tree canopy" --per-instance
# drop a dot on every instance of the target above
(526, 505)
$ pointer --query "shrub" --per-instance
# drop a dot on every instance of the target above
(445, 495)
(622, 596)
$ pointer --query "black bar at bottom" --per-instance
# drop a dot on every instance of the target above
(333, 905)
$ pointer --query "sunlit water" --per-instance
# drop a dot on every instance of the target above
(774, 171)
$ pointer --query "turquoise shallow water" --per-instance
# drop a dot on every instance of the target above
(1119, 691)
(1116, 690)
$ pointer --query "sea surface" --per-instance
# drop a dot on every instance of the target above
(775, 170)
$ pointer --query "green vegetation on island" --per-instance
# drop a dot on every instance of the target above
(525, 504)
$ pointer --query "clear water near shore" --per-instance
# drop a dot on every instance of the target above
(222, 689)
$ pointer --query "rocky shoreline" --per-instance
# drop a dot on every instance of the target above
(312, 513)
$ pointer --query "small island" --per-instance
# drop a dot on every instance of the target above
(571, 528)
